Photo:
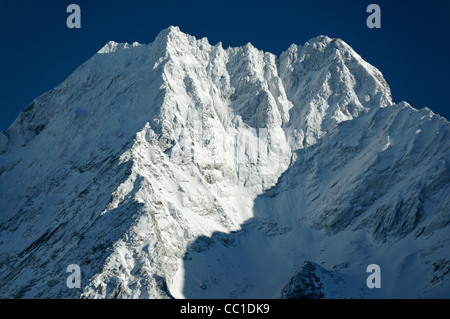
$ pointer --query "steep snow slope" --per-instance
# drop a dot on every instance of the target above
(183, 169)
(123, 164)
(373, 190)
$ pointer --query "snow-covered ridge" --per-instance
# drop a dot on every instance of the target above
(182, 169)
(112, 46)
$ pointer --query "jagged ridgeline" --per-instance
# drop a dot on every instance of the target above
(184, 169)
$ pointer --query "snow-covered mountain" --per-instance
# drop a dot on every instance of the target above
(183, 169)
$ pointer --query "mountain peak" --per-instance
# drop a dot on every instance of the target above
(170, 32)
(172, 36)
(163, 169)
(322, 39)
(166, 37)
(109, 47)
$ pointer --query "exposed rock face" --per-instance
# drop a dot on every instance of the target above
(306, 283)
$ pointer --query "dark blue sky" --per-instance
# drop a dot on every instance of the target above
(412, 48)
